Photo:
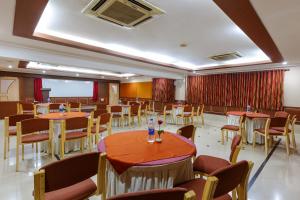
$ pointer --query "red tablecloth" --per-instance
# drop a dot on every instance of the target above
(131, 148)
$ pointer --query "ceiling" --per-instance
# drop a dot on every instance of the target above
(212, 33)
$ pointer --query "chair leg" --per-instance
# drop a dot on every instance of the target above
(17, 157)
(62, 149)
(90, 142)
(8, 144)
(266, 145)
(5, 147)
(222, 137)
(293, 140)
(202, 119)
(226, 135)
(234, 194)
(254, 140)
(81, 144)
(36, 147)
(52, 148)
(287, 143)
(22, 151)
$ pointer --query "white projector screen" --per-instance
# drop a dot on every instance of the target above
(68, 88)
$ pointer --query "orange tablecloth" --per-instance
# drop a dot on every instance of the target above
(248, 114)
(60, 116)
(131, 148)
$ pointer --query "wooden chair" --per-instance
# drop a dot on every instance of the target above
(70, 178)
(187, 132)
(144, 108)
(73, 106)
(31, 131)
(95, 114)
(53, 107)
(103, 123)
(186, 114)
(117, 114)
(79, 128)
(205, 164)
(101, 106)
(133, 111)
(27, 108)
(233, 128)
(200, 114)
(270, 131)
(229, 178)
(168, 111)
(10, 130)
(161, 194)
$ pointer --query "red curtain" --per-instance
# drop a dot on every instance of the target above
(95, 91)
(38, 85)
(261, 90)
(163, 90)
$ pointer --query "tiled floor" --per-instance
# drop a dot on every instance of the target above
(278, 180)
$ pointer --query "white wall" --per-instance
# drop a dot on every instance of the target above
(180, 89)
(292, 87)
(68, 88)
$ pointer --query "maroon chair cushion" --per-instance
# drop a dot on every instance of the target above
(157, 194)
(271, 131)
(231, 127)
(13, 119)
(76, 123)
(70, 171)
(197, 185)
(209, 164)
(280, 129)
(78, 191)
(75, 135)
(34, 125)
(35, 138)
(224, 197)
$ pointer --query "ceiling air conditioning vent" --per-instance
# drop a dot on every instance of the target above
(226, 56)
(127, 13)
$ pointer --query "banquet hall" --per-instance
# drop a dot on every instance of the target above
(149, 99)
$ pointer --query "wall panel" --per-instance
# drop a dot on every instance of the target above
(136, 90)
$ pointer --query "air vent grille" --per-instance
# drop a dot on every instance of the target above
(128, 13)
(226, 56)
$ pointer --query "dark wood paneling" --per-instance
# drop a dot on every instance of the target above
(103, 92)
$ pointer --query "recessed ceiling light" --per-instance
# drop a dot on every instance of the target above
(77, 74)
(102, 76)
(44, 72)
(284, 63)
(127, 78)
(9, 66)
(194, 72)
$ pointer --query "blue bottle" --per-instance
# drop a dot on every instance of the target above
(151, 131)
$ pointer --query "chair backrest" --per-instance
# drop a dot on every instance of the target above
(230, 177)
(187, 132)
(116, 109)
(27, 106)
(235, 148)
(105, 118)
(133, 103)
(69, 171)
(168, 107)
(54, 106)
(281, 114)
(29, 126)
(143, 106)
(101, 106)
(134, 109)
(73, 104)
(279, 121)
(99, 112)
(187, 108)
(76, 123)
(13, 119)
(293, 121)
(157, 194)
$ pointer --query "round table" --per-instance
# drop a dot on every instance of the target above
(253, 121)
(57, 117)
(136, 165)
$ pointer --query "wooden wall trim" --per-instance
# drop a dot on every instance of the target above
(242, 13)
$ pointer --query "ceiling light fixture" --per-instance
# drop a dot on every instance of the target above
(284, 63)
(77, 74)
(9, 66)
(44, 72)
(35, 65)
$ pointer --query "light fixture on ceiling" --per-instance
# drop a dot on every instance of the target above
(194, 72)
(9, 66)
(127, 77)
(77, 74)
(44, 72)
(102, 76)
(35, 65)
(284, 63)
